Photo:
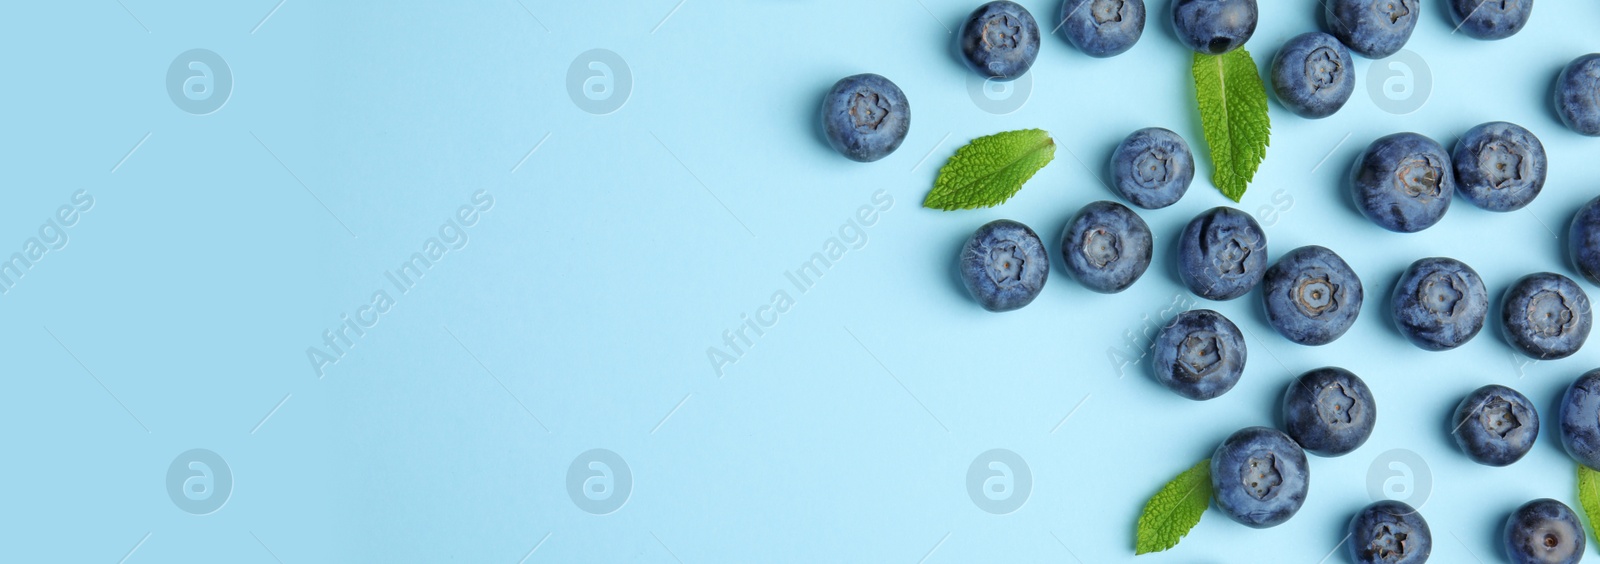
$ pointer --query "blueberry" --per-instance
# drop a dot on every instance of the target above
(865, 117)
(1004, 265)
(1259, 477)
(1546, 316)
(1102, 28)
(1544, 531)
(1312, 296)
(1152, 167)
(1329, 411)
(1499, 166)
(1439, 303)
(1495, 425)
(1313, 75)
(1222, 254)
(1389, 532)
(1403, 182)
(1578, 95)
(1583, 241)
(1107, 247)
(1490, 19)
(1200, 355)
(1373, 28)
(1580, 419)
(1214, 27)
(999, 40)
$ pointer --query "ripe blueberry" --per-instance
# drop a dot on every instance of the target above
(1200, 355)
(1152, 167)
(1102, 28)
(1580, 419)
(1312, 296)
(1583, 241)
(1222, 254)
(1495, 425)
(1107, 247)
(999, 40)
(1439, 303)
(1313, 75)
(1403, 182)
(1004, 265)
(1546, 316)
(1329, 411)
(1214, 27)
(1578, 95)
(1373, 28)
(1499, 166)
(1259, 477)
(1490, 19)
(1544, 531)
(865, 117)
(1389, 532)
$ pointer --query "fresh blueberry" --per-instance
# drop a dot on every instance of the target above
(1222, 254)
(865, 117)
(1583, 241)
(1312, 296)
(1259, 476)
(1200, 355)
(1214, 27)
(1546, 316)
(1373, 28)
(1580, 419)
(1544, 531)
(1439, 303)
(1329, 411)
(1495, 425)
(1152, 168)
(1107, 247)
(1499, 166)
(1403, 182)
(1578, 95)
(1389, 532)
(1000, 40)
(1313, 75)
(1004, 265)
(1490, 19)
(1102, 28)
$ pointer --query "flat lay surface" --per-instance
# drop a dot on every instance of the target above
(534, 281)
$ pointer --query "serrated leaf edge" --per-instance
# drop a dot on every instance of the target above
(1145, 516)
(946, 200)
(1589, 496)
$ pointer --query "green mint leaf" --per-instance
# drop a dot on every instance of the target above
(1174, 510)
(1589, 495)
(1233, 110)
(990, 170)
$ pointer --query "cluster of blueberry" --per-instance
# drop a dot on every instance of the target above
(1402, 182)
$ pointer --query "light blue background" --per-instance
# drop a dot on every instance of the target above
(579, 315)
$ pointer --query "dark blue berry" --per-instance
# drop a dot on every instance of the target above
(999, 40)
(1583, 241)
(1004, 265)
(1580, 419)
(865, 117)
(1259, 477)
(1495, 425)
(1499, 166)
(1106, 246)
(1578, 95)
(1439, 303)
(1373, 28)
(1403, 182)
(1312, 296)
(1200, 355)
(1214, 27)
(1546, 316)
(1102, 28)
(1329, 411)
(1490, 19)
(1544, 531)
(1313, 75)
(1222, 254)
(1389, 532)
(1152, 167)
